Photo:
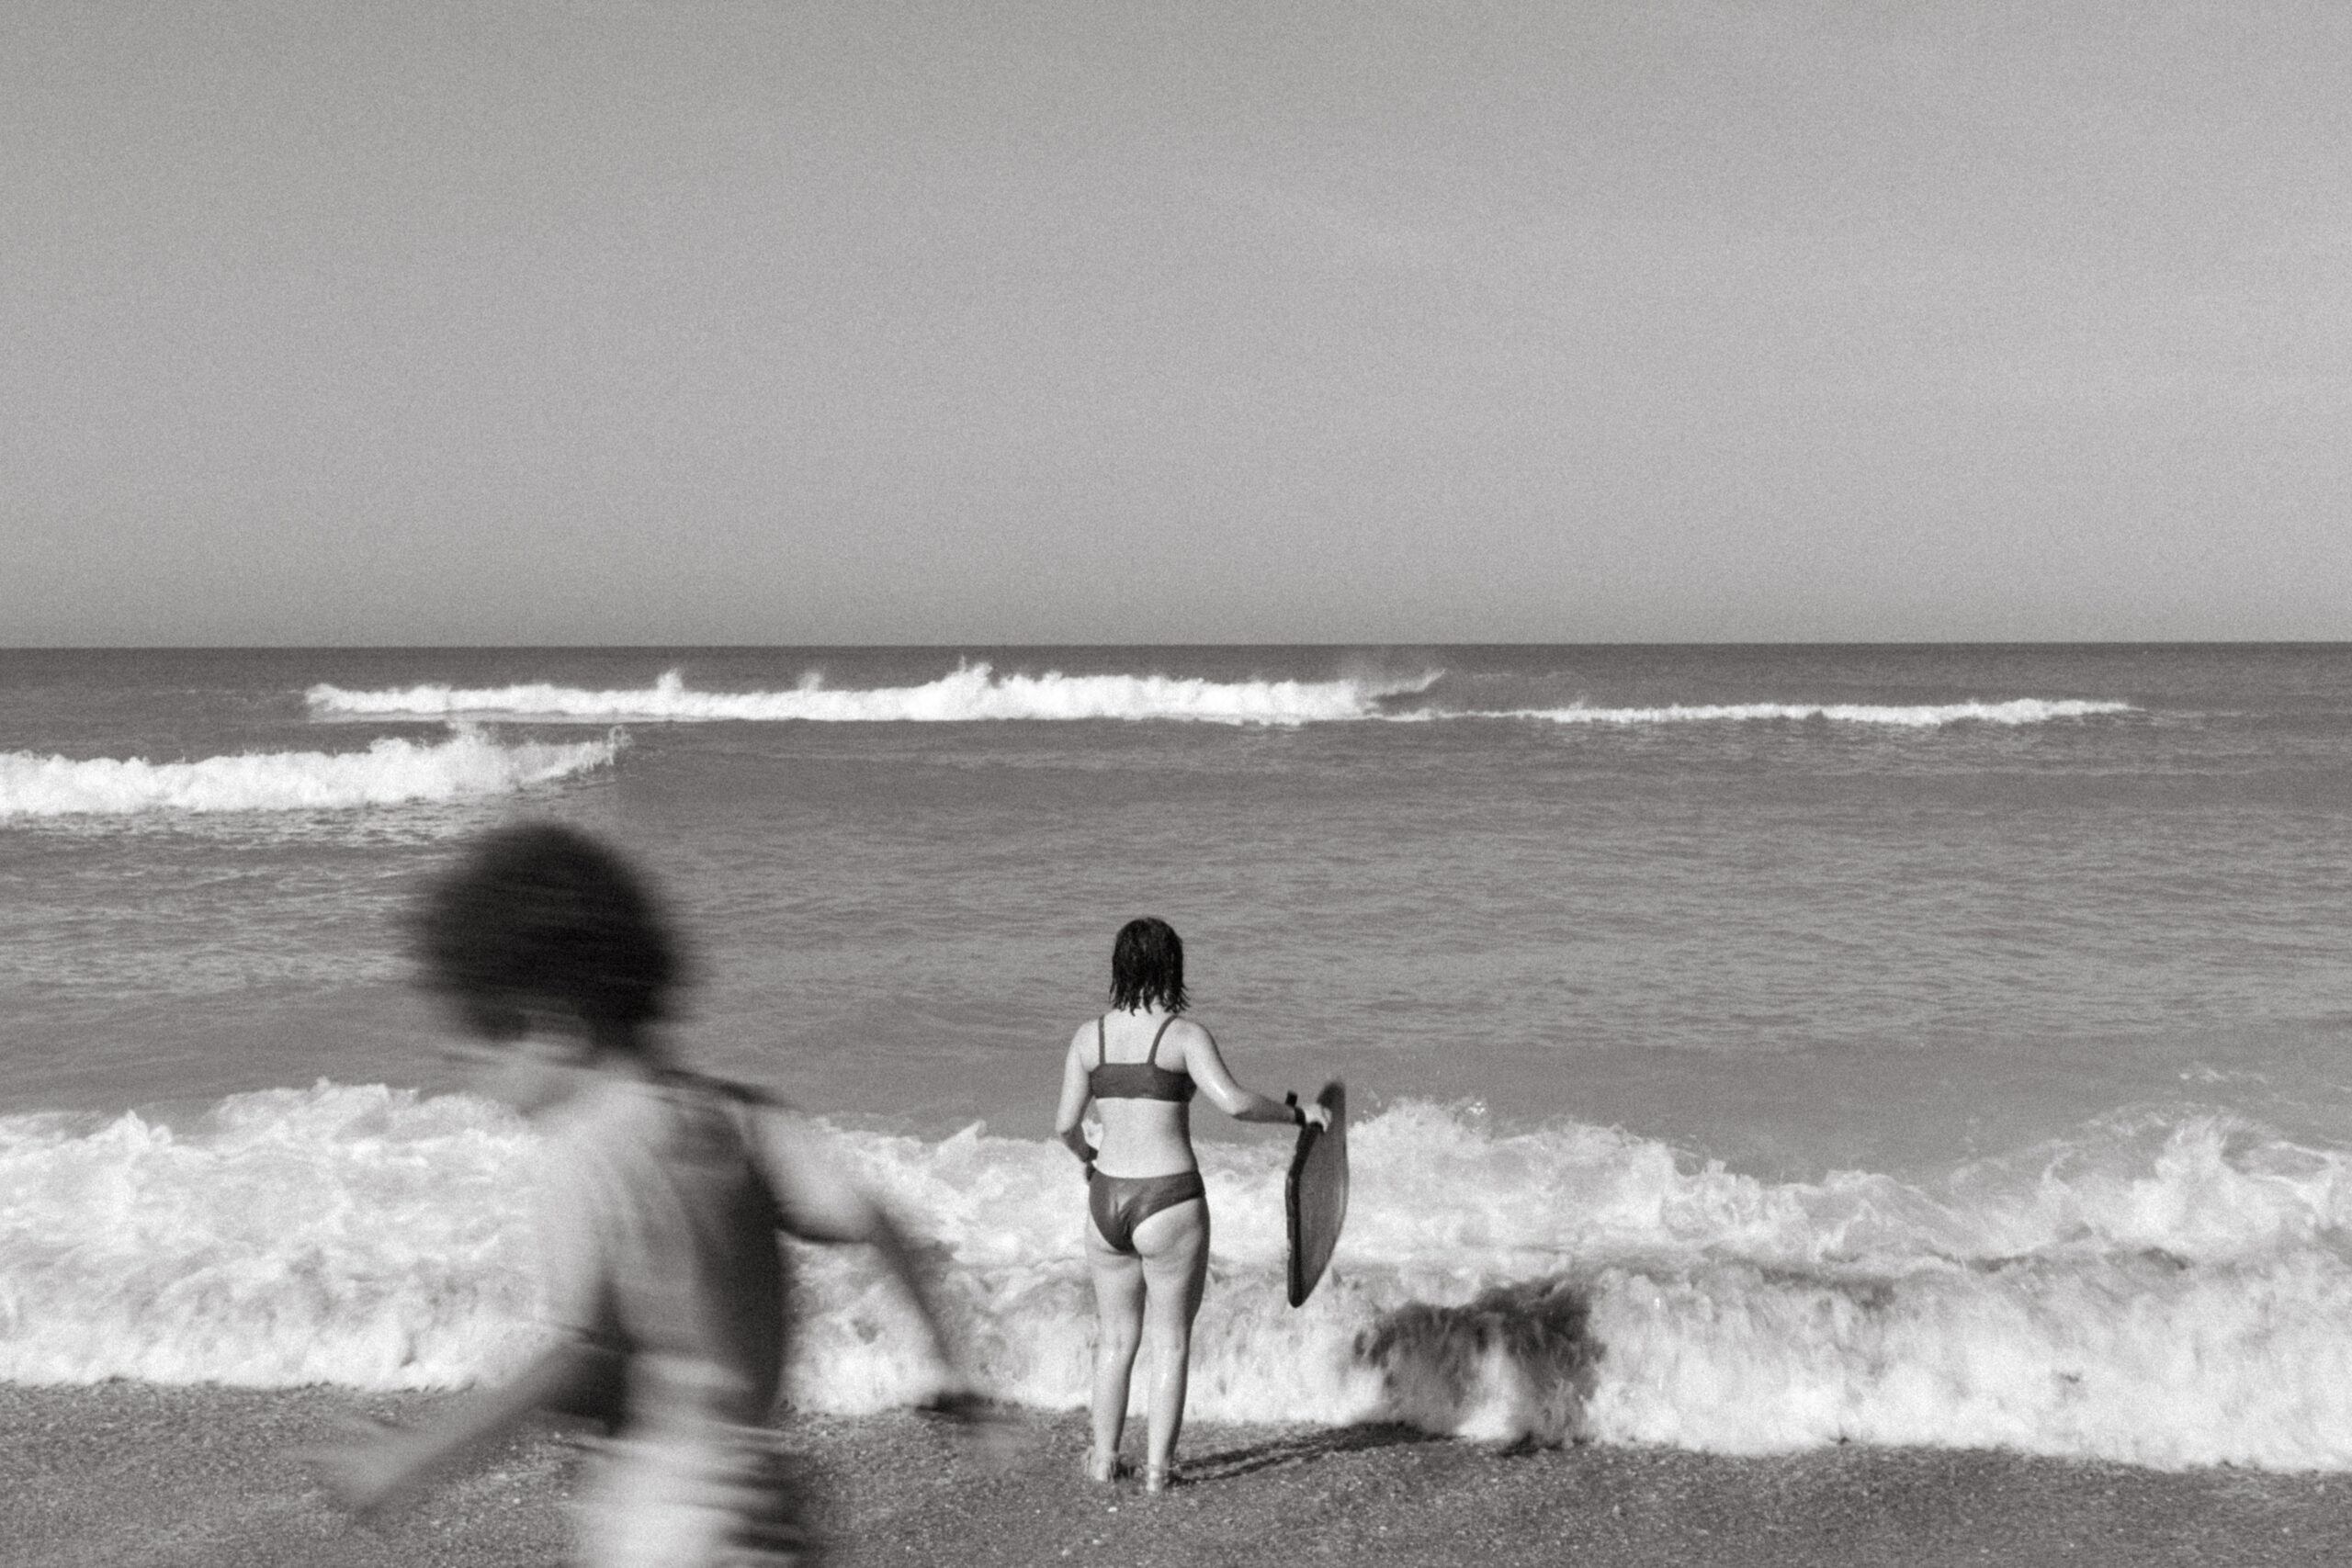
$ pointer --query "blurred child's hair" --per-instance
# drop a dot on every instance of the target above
(543, 915)
(1148, 966)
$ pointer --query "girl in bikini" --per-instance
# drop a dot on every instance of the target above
(1147, 1236)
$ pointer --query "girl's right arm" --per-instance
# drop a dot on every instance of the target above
(1070, 1119)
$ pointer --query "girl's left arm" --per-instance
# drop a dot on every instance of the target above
(1207, 1064)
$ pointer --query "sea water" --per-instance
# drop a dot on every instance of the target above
(1750, 1048)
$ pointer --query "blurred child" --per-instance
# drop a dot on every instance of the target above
(664, 1192)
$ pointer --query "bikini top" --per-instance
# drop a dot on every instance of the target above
(1146, 1079)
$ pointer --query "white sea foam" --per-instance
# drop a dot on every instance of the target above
(389, 773)
(972, 692)
(348, 1235)
(2169, 1291)
(1926, 715)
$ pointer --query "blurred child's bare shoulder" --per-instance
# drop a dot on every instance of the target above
(771, 1123)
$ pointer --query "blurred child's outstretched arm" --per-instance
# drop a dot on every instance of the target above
(819, 1203)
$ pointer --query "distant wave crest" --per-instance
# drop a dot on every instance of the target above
(389, 772)
(2164, 1289)
(1925, 716)
(973, 692)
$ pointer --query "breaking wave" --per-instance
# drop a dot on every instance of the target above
(2166, 1290)
(389, 772)
(975, 692)
(972, 693)
(2020, 710)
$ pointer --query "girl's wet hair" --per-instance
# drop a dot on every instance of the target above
(544, 916)
(1148, 966)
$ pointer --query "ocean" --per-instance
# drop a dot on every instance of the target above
(1750, 1048)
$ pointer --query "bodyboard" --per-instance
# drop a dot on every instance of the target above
(1314, 1197)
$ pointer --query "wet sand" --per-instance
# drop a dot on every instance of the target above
(131, 1475)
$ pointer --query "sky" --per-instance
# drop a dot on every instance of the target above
(676, 322)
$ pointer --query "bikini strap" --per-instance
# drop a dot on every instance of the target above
(1153, 1059)
(1102, 1046)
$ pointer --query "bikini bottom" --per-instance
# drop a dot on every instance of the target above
(1120, 1204)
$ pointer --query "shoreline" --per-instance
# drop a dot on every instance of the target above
(129, 1473)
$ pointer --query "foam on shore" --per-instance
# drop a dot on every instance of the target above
(2164, 1290)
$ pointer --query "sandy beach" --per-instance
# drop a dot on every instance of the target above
(126, 1475)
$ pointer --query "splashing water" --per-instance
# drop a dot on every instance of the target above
(2165, 1291)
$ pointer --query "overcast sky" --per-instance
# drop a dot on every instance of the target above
(603, 322)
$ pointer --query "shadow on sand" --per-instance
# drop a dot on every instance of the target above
(1296, 1448)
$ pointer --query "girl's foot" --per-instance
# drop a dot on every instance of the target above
(1159, 1477)
(1107, 1468)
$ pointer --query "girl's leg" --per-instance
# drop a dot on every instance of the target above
(1118, 1329)
(1175, 1248)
